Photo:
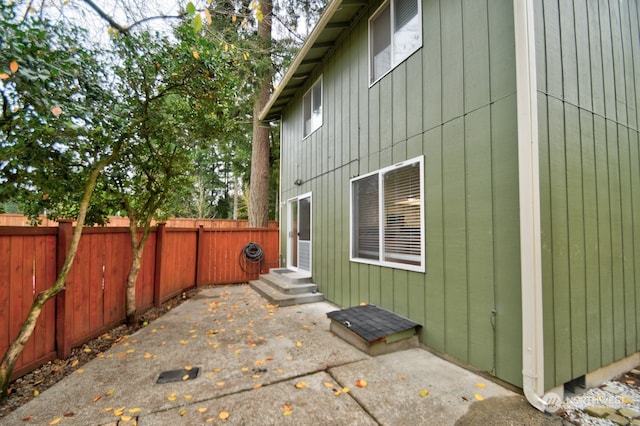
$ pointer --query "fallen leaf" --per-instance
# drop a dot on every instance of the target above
(80, 371)
(244, 369)
(185, 377)
(134, 410)
(147, 355)
(298, 344)
(478, 397)
(202, 410)
(328, 384)
(337, 392)
(219, 383)
(481, 385)
(25, 419)
(257, 386)
(187, 396)
(125, 418)
(626, 400)
(345, 389)
(183, 412)
(4, 76)
(110, 392)
(13, 66)
(301, 385)
(87, 350)
(74, 363)
(118, 412)
(361, 383)
(107, 409)
(188, 367)
(96, 398)
(36, 392)
(223, 415)
(401, 377)
(423, 393)
(55, 421)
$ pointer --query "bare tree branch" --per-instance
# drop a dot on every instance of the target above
(126, 29)
(151, 18)
(106, 17)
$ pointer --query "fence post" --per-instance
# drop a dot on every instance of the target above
(199, 256)
(64, 319)
(157, 279)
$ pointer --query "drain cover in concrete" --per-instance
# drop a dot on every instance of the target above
(178, 375)
(371, 322)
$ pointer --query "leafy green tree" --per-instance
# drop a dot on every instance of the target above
(57, 119)
(263, 19)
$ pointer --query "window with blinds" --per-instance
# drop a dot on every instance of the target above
(395, 32)
(312, 108)
(387, 216)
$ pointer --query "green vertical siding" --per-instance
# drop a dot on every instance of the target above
(587, 72)
(506, 241)
(453, 101)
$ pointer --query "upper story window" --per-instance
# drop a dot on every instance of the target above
(312, 106)
(395, 32)
(387, 217)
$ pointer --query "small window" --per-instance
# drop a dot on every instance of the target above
(387, 216)
(312, 105)
(395, 32)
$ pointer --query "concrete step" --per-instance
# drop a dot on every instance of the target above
(292, 277)
(282, 284)
(276, 297)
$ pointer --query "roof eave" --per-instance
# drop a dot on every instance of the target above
(326, 16)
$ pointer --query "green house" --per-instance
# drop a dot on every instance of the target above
(474, 166)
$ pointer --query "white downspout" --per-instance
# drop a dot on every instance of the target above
(530, 235)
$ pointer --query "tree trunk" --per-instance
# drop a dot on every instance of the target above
(260, 153)
(17, 345)
(137, 248)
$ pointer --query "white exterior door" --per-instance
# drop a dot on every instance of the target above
(299, 236)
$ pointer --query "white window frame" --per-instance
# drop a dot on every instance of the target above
(380, 261)
(315, 121)
(394, 61)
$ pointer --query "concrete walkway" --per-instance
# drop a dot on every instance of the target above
(264, 365)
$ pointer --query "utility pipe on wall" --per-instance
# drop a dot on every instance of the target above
(530, 234)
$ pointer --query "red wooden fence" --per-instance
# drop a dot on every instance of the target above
(174, 260)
